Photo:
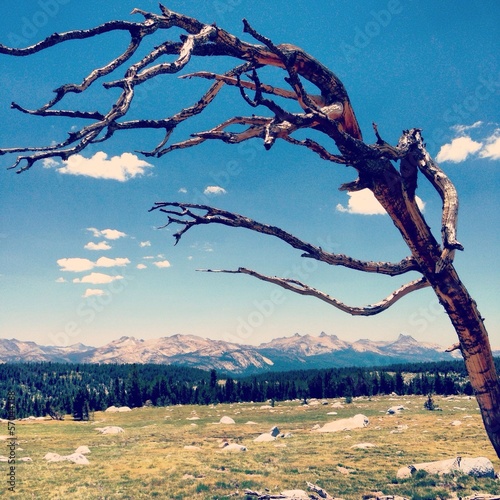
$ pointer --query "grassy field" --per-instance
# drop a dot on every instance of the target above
(149, 460)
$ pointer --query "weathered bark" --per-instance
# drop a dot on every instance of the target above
(329, 112)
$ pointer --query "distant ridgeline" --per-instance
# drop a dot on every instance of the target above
(59, 389)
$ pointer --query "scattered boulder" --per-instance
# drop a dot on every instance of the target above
(477, 467)
(226, 420)
(233, 447)
(193, 418)
(456, 423)
(295, 494)
(265, 438)
(344, 424)
(250, 423)
(110, 429)
(83, 450)
(76, 458)
(344, 470)
(363, 446)
(26, 459)
(3, 459)
(115, 409)
(338, 404)
(394, 410)
(275, 432)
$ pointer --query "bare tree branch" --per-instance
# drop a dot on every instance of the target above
(201, 40)
(188, 217)
(302, 289)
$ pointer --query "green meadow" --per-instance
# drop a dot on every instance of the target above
(175, 452)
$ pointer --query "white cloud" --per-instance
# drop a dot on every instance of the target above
(491, 149)
(106, 262)
(148, 257)
(61, 280)
(183, 190)
(97, 279)
(143, 244)
(364, 202)
(92, 291)
(75, 265)
(109, 234)
(215, 190)
(162, 264)
(141, 266)
(102, 245)
(458, 150)
(119, 168)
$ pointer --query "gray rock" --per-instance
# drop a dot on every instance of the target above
(265, 438)
(295, 494)
(233, 447)
(274, 431)
(110, 429)
(344, 424)
(394, 410)
(477, 467)
(83, 450)
(226, 420)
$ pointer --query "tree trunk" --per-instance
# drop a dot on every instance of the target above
(452, 294)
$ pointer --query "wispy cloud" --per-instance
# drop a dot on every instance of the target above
(90, 292)
(109, 234)
(102, 245)
(183, 190)
(214, 190)
(61, 280)
(141, 266)
(120, 168)
(97, 279)
(491, 148)
(364, 203)
(144, 244)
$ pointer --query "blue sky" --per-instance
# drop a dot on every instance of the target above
(82, 259)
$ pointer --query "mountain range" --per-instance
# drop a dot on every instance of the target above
(286, 353)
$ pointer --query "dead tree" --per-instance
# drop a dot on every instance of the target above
(390, 172)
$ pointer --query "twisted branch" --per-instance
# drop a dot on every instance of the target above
(186, 215)
(302, 289)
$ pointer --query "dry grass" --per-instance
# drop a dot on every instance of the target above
(149, 459)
